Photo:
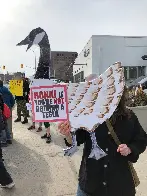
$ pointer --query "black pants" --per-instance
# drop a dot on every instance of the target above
(21, 107)
(5, 177)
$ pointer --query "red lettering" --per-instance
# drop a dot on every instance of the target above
(36, 96)
(62, 100)
(59, 101)
(40, 95)
(45, 94)
(54, 94)
(56, 101)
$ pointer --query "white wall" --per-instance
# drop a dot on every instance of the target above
(109, 49)
(83, 60)
(106, 50)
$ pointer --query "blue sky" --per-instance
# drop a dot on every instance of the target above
(69, 25)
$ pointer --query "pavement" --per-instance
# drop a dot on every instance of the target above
(40, 169)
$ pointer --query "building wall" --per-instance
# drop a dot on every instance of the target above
(109, 49)
(106, 50)
(62, 64)
(85, 57)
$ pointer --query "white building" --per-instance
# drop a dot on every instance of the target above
(101, 51)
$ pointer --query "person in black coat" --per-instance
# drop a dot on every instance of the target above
(110, 175)
(5, 178)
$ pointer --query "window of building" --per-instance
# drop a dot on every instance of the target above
(79, 77)
(125, 72)
(141, 71)
(132, 72)
(76, 55)
(79, 68)
(57, 54)
(82, 76)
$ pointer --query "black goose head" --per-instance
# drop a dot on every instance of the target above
(35, 37)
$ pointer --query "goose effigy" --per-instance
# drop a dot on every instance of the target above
(39, 37)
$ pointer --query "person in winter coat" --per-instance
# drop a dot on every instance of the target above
(9, 101)
(21, 103)
(110, 175)
(5, 178)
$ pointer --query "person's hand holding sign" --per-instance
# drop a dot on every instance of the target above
(64, 128)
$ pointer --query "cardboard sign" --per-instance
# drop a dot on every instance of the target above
(16, 87)
(49, 103)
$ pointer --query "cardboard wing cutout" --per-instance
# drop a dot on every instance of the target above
(39, 37)
(92, 103)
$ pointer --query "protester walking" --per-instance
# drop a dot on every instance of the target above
(5, 178)
(21, 103)
(123, 139)
(9, 101)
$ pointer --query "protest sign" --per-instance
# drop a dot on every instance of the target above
(16, 87)
(49, 103)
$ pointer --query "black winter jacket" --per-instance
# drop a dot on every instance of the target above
(3, 124)
(111, 176)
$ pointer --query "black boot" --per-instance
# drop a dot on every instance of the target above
(9, 141)
(25, 121)
(48, 141)
(17, 120)
(44, 136)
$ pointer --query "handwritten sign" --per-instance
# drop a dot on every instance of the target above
(16, 87)
(49, 103)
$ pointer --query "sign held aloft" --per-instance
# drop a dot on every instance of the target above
(49, 103)
(16, 87)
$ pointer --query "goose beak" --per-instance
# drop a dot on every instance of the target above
(29, 46)
(26, 41)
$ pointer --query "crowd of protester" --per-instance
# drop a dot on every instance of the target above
(7, 102)
(94, 174)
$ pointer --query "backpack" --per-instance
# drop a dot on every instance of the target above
(6, 111)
